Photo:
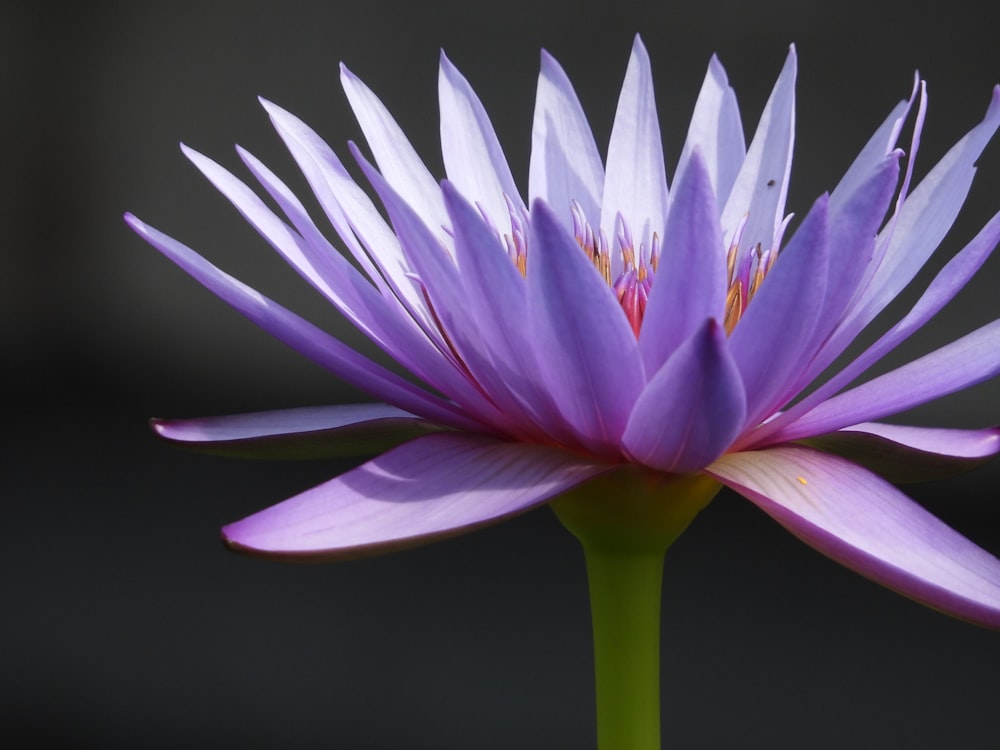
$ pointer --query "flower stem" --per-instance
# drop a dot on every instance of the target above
(625, 522)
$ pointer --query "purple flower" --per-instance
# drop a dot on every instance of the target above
(610, 323)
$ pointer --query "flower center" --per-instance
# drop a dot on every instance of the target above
(633, 283)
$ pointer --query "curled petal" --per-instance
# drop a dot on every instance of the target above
(903, 453)
(307, 433)
(429, 488)
(864, 523)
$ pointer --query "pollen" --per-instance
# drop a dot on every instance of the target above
(802, 480)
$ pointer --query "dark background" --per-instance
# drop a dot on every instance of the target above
(124, 623)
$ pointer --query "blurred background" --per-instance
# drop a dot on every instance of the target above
(126, 624)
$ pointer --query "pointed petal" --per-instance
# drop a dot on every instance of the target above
(960, 364)
(565, 163)
(691, 409)
(762, 184)
(473, 158)
(690, 284)
(584, 344)
(305, 433)
(775, 334)
(955, 274)
(472, 381)
(303, 336)
(926, 216)
(880, 145)
(863, 522)
(901, 453)
(429, 488)
(717, 131)
(354, 216)
(636, 181)
(496, 297)
(396, 158)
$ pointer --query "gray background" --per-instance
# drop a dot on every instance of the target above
(124, 622)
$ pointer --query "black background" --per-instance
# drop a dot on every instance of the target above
(124, 623)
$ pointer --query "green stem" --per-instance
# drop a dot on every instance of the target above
(625, 522)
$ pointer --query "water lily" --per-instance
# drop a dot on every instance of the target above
(616, 348)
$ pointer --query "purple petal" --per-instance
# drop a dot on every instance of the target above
(440, 279)
(960, 364)
(691, 409)
(635, 184)
(956, 273)
(304, 337)
(910, 454)
(308, 432)
(880, 145)
(432, 487)
(925, 218)
(717, 131)
(496, 298)
(565, 163)
(341, 198)
(864, 523)
(396, 158)
(775, 335)
(473, 158)
(585, 346)
(762, 184)
(690, 282)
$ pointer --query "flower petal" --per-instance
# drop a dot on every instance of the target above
(305, 433)
(717, 131)
(960, 364)
(396, 158)
(863, 522)
(432, 487)
(955, 274)
(635, 184)
(762, 184)
(303, 336)
(926, 216)
(775, 335)
(473, 158)
(565, 164)
(691, 276)
(691, 409)
(902, 453)
(496, 297)
(584, 344)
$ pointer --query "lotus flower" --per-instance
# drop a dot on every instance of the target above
(610, 333)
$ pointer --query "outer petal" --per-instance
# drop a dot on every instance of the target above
(565, 163)
(584, 344)
(303, 336)
(960, 364)
(691, 409)
(308, 432)
(902, 453)
(863, 522)
(473, 158)
(762, 184)
(393, 153)
(432, 487)
(635, 184)
(691, 279)
(925, 218)
(955, 274)
(717, 131)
